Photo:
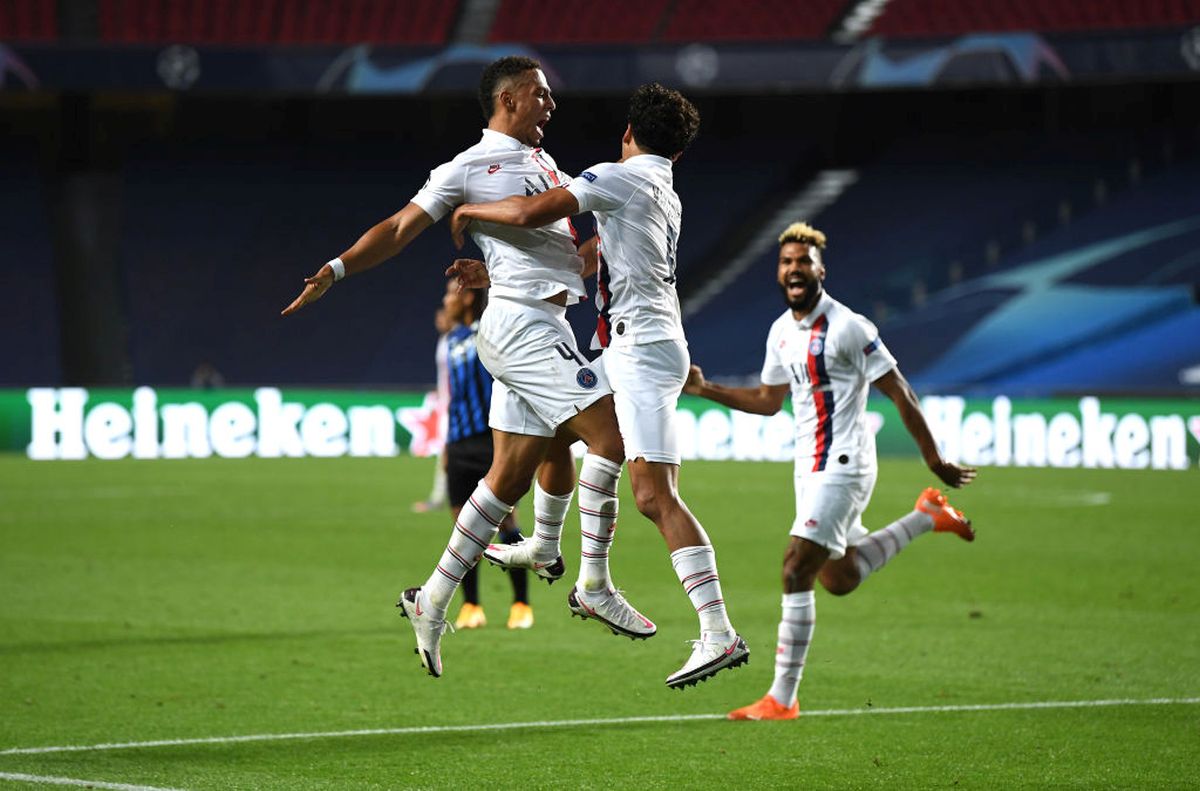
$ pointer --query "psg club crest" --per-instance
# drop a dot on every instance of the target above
(816, 346)
(586, 378)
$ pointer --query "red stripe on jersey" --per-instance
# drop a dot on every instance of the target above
(553, 176)
(823, 401)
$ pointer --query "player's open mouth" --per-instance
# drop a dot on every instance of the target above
(796, 289)
(541, 125)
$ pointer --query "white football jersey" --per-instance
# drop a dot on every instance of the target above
(638, 216)
(830, 359)
(522, 262)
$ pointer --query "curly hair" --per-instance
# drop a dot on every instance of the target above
(803, 233)
(664, 122)
(497, 72)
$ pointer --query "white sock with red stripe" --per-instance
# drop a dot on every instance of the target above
(476, 527)
(795, 633)
(696, 568)
(597, 520)
(549, 513)
(881, 546)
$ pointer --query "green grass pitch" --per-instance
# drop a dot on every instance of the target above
(144, 601)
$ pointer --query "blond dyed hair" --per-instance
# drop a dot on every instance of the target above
(803, 233)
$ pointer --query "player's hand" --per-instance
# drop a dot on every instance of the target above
(952, 474)
(458, 226)
(695, 381)
(314, 288)
(470, 273)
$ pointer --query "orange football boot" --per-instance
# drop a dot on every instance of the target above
(946, 519)
(470, 617)
(766, 708)
(520, 616)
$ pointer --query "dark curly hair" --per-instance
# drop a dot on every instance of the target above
(664, 122)
(496, 72)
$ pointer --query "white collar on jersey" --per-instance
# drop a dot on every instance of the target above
(502, 140)
(650, 160)
(823, 304)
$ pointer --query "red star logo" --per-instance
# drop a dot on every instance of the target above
(423, 423)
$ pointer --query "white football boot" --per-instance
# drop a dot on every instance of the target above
(428, 629)
(520, 556)
(710, 655)
(611, 609)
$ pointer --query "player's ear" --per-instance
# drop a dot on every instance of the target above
(627, 138)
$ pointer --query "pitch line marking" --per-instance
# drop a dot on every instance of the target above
(506, 726)
(71, 781)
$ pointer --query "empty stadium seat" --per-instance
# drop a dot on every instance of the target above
(300, 22)
(578, 21)
(28, 20)
(902, 18)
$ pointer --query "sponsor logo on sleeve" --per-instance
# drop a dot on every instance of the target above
(587, 174)
(492, 168)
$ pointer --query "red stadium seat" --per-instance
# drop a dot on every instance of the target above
(300, 22)
(722, 20)
(28, 20)
(902, 18)
(578, 21)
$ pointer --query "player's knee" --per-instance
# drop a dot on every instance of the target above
(796, 579)
(800, 567)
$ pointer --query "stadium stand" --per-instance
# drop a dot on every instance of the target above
(28, 20)
(756, 20)
(207, 257)
(293, 22)
(903, 18)
(648, 21)
(31, 310)
(1125, 274)
(1125, 263)
(905, 197)
(578, 21)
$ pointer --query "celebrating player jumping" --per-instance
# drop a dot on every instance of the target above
(828, 356)
(646, 359)
(546, 396)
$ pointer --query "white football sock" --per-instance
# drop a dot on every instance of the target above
(597, 520)
(476, 527)
(795, 633)
(881, 546)
(549, 513)
(696, 568)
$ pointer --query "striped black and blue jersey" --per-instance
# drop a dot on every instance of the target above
(470, 385)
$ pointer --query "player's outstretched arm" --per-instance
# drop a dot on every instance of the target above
(762, 400)
(532, 211)
(378, 244)
(896, 387)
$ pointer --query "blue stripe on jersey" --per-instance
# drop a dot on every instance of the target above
(470, 386)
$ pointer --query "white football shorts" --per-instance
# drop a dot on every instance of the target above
(829, 510)
(542, 379)
(647, 379)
